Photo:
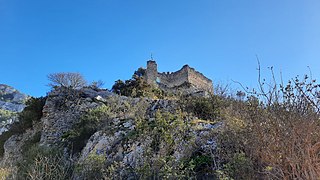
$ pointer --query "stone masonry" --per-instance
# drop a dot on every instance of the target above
(185, 75)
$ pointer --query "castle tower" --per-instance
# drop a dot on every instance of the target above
(151, 72)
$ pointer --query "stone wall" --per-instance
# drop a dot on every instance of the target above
(174, 79)
(151, 72)
(199, 80)
(185, 75)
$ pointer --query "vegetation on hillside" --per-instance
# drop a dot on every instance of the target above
(273, 134)
(5, 114)
(30, 115)
(137, 87)
(270, 133)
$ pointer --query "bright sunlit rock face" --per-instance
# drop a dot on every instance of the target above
(11, 99)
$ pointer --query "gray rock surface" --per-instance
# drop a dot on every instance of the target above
(11, 102)
(62, 110)
(13, 148)
(117, 139)
(11, 99)
(118, 144)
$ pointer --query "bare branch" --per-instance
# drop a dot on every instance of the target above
(68, 79)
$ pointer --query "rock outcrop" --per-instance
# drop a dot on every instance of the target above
(64, 108)
(129, 132)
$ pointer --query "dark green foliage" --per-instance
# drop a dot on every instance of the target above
(31, 142)
(93, 167)
(139, 73)
(166, 132)
(33, 111)
(118, 87)
(3, 138)
(202, 107)
(136, 86)
(89, 123)
(201, 164)
(67, 94)
(201, 161)
(28, 152)
(239, 167)
(31, 114)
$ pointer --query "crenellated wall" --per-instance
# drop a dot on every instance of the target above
(185, 75)
(174, 79)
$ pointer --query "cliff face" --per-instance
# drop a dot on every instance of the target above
(110, 135)
(63, 109)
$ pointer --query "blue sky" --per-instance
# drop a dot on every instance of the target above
(109, 39)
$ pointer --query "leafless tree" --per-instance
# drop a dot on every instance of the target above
(67, 79)
(97, 84)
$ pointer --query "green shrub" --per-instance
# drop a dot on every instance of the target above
(89, 123)
(239, 167)
(31, 114)
(166, 132)
(137, 87)
(202, 107)
(44, 163)
(93, 167)
(31, 142)
(5, 114)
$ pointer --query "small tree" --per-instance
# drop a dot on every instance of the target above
(67, 79)
(118, 87)
(97, 84)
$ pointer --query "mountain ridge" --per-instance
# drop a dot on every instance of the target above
(11, 99)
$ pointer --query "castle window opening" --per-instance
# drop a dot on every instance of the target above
(158, 80)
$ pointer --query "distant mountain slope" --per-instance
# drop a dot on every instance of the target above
(11, 99)
(11, 102)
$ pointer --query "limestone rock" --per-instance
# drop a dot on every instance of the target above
(62, 110)
(11, 102)
(11, 99)
(13, 148)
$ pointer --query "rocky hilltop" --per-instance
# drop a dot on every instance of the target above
(107, 134)
(141, 131)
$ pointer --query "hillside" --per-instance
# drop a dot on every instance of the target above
(93, 133)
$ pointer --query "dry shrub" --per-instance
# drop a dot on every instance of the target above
(8, 172)
(279, 144)
(45, 163)
(277, 129)
(287, 146)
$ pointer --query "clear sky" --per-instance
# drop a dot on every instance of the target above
(109, 39)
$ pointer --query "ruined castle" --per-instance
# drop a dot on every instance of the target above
(186, 75)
